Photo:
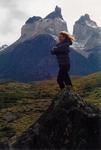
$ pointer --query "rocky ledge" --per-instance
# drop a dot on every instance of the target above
(69, 123)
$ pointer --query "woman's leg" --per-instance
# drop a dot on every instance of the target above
(60, 78)
(67, 79)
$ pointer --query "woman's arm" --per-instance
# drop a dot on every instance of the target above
(61, 49)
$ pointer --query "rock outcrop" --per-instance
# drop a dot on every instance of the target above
(55, 14)
(69, 123)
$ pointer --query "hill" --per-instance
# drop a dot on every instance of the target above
(22, 104)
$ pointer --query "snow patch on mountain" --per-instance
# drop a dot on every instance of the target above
(79, 48)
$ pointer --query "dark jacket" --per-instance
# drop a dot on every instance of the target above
(62, 52)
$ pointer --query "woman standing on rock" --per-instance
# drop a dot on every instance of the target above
(62, 52)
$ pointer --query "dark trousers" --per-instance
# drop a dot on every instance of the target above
(63, 76)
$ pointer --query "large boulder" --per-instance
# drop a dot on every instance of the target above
(69, 123)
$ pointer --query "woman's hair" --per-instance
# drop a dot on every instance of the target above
(68, 36)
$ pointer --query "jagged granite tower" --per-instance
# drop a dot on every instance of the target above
(87, 32)
(52, 24)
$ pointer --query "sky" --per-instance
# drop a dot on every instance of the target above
(14, 13)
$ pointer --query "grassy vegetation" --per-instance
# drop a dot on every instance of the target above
(89, 88)
(22, 104)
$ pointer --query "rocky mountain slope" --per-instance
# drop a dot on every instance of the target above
(69, 123)
(29, 60)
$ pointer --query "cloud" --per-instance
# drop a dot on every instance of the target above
(13, 8)
(13, 12)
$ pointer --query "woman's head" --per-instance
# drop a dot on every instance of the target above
(63, 35)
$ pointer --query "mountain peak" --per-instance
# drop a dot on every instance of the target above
(85, 31)
(52, 24)
(86, 20)
(55, 14)
(86, 17)
(58, 9)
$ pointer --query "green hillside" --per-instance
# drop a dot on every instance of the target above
(22, 104)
